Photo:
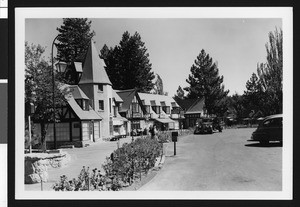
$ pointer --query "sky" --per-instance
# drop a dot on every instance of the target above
(238, 45)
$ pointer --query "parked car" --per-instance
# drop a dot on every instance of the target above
(269, 129)
(217, 124)
(204, 126)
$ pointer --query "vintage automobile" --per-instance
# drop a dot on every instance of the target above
(204, 126)
(269, 129)
(217, 124)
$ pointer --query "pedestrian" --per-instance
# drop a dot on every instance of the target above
(155, 132)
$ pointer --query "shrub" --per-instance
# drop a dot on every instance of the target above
(120, 169)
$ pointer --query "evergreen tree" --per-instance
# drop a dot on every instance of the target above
(270, 73)
(254, 97)
(73, 41)
(39, 88)
(74, 37)
(128, 65)
(237, 104)
(180, 93)
(158, 87)
(205, 82)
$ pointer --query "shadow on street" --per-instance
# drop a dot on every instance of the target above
(274, 144)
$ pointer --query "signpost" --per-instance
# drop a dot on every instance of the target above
(31, 111)
(174, 139)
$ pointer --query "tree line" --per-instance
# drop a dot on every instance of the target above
(263, 94)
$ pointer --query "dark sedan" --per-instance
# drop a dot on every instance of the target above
(204, 127)
(270, 129)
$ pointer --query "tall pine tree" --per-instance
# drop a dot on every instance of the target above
(128, 65)
(205, 82)
(180, 93)
(73, 39)
(270, 73)
(158, 87)
(254, 97)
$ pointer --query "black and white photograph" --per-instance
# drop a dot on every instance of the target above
(160, 103)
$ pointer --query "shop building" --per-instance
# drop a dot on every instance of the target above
(97, 86)
(193, 110)
(79, 123)
(144, 110)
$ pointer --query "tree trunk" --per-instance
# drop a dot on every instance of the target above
(43, 137)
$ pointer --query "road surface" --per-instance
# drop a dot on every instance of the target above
(220, 162)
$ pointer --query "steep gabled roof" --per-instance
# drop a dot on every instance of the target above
(93, 67)
(126, 96)
(116, 96)
(196, 107)
(82, 114)
(185, 104)
(77, 93)
(157, 100)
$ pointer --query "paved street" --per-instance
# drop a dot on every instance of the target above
(221, 161)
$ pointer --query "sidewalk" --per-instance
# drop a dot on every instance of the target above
(92, 156)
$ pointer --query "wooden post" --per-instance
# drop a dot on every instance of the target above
(29, 130)
(174, 148)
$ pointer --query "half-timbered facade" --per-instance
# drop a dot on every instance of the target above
(193, 110)
(144, 110)
(78, 122)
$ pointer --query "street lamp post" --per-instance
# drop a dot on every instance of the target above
(53, 97)
(61, 67)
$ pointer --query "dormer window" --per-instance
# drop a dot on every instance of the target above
(156, 109)
(166, 109)
(100, 87)
(83, 103)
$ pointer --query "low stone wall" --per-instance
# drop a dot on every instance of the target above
(50, 145)
(37, 164)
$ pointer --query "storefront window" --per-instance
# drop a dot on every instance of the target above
(135, 125)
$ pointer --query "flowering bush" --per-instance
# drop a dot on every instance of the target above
(88, 181)
(120, 169)
(133, 159)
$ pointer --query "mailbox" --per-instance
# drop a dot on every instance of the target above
(174, 136)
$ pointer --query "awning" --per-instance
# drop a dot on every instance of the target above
(164, 121)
